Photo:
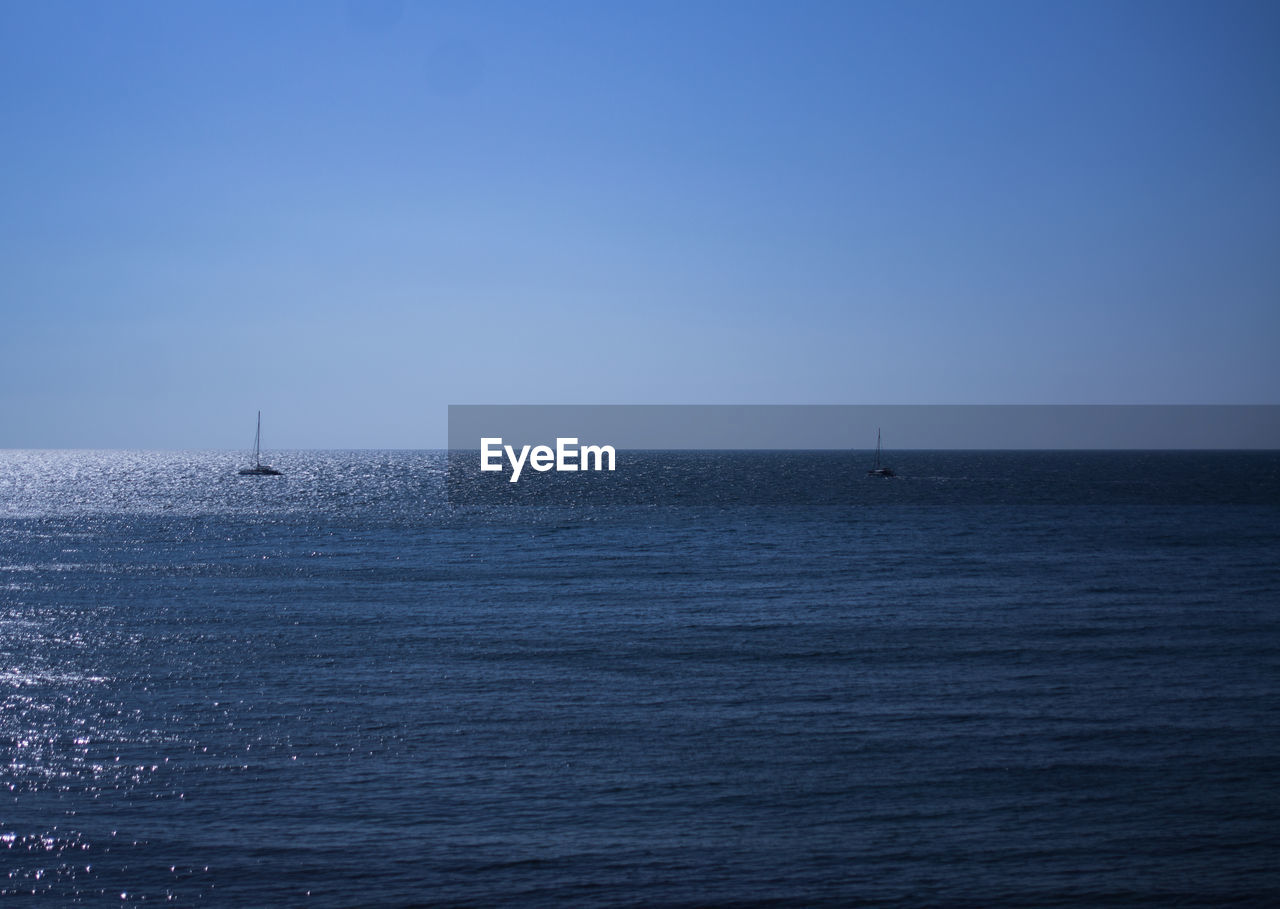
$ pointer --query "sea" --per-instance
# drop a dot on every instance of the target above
(996, 679)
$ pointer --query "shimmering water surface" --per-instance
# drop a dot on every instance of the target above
(334, 688)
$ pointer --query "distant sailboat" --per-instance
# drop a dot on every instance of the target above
(259, 469)
(878, 470)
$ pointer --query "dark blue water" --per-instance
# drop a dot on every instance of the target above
(333, 688)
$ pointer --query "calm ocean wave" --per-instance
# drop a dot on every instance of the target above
(335, 687)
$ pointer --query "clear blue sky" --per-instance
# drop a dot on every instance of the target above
(350, 215)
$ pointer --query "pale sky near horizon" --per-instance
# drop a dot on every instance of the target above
(350, 215)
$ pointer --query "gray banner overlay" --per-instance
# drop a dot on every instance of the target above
(825, 455)
(853, 426)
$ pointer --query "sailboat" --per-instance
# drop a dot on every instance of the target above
(258, 469)
(878, 470)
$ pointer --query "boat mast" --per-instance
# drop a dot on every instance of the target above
(877, 444)
(257, 442)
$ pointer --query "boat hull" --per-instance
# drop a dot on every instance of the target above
(261, 470)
